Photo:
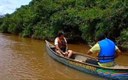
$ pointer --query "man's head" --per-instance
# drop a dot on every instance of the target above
(100, 37)
(60, 34)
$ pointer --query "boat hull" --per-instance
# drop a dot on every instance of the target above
(111, 74)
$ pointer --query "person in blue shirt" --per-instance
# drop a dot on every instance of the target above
(106, 51)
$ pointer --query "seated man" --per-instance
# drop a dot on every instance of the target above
(106, 51)
(61, 45)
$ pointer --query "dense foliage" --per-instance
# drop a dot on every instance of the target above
(84, 19)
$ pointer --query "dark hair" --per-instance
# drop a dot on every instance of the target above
(60, 33)
(100, 37)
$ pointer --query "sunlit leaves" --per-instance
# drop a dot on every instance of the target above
(124, 34)
(90, 14)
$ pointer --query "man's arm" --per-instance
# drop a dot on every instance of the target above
(57, 47)
(94, 49)
(89, 52)
(118, 52)
(66, 44)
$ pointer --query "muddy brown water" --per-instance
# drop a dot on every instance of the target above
(27, 59)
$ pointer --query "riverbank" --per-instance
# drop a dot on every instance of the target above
(123, 46)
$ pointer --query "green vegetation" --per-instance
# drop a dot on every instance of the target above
(85, 19)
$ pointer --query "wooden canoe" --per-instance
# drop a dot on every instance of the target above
(87, 64)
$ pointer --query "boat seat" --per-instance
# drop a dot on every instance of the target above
(80, 58)
(85, 59)
(92, 61)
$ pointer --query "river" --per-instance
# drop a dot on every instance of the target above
(27, 59)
